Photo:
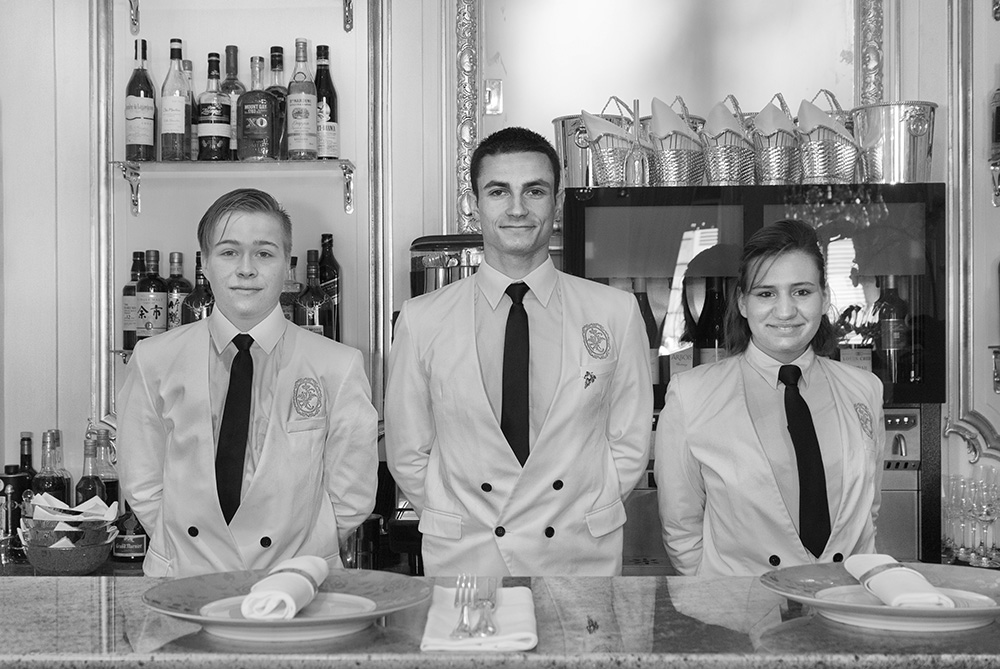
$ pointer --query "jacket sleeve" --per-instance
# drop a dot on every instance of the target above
(630, 415)
(680, 486)
(351, 455)
(141, 443)
(879, 428)
(409, 421)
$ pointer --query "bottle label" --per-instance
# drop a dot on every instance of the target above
(130, 545)
(174, 305)
(139, 113)
(860, 358)
(681, 361)
(256, 120)
(152, 314)
(331, 289)
(214, 119)
(710, 355)
(173, 115)
(301, 116)
(130, 313)
(327, 134)
(233, 129)
(893, 334)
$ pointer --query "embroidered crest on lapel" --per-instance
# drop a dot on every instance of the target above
(597, 341)
(588, 378)
(307, 397)
(865, 416)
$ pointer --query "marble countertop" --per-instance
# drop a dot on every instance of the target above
(100, 621)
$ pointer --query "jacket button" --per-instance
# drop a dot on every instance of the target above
(265, 541)
(838, 557)
(486, 487)
(557, 485)
(193, 531)
(549, 532)
(774, 560)
(499, 531)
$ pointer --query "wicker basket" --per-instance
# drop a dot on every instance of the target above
(677, 159)
(828, 157)
(609, 153)
(778, 159)
(729, 161)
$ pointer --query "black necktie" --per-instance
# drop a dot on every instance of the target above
(814, 511)
(234, 429)
(514, 405)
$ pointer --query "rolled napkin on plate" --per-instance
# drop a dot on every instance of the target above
(514, 617)
(894, 583)
(286, 590)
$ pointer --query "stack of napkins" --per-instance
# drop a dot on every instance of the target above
(287, 589)
(514, 617)
(666, 123)
(895, 584)
(812, 117)
(46, 507)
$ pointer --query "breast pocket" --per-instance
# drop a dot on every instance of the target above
(595, 379)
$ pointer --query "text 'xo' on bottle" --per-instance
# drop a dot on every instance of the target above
(214, 116)
(300, 107)
(175, 109)
(140, 110)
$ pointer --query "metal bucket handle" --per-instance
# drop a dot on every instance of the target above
(684, 109)
(754, 132)
(738, 111)
(830, 98)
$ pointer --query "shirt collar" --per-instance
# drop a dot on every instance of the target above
(768, 367)
(541, 281)
(265, 334)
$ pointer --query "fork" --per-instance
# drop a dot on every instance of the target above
(464, 592)
(486, 599)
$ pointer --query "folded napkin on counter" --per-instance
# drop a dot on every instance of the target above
(286, 590)
(724, 128)
(771, 119)
(811, 117)
(514, 617)
(46, 507)
(666, 122)
(894, 583)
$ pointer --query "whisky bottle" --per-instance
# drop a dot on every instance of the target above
(90, 484)
(329, 281)
(256, 116)
(327, 137)
(278, 89)
(175, 109)
(291, 291)
(300, 107)
(234, 88)
(199, 303)
(130, 307)
(151, 299)
(309, 312)
(140, 110)
(178, 288)
(214, 116)
(193, 134)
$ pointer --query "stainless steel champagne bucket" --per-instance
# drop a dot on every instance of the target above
(896, 141)
(573, 147)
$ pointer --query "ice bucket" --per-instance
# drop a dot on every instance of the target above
(895, 139)
(575, 153)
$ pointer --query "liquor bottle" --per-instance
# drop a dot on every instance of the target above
(67, 478)
(327, 137)
(151, 298)
(309, 312)
(329, 281)
(278, 89)
(26, 466)
(175, 109)
(130, 306)
(214, 116)
(256, 117)
(140, 110)
(709, 341)
(995, 127)
(193, 140)
(300, 107)
(234, 88)
(131, 543)
(48, 479)
(291, 291)
(178, 288)
(90, 484)
(105, 466)
(894, 332)
(199, 303)
(652, 332)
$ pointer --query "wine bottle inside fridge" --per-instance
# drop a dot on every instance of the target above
(234, 88)
(710, 337)
(199, 303)
(894, 333)
(300, 107)
(327, 130)
(151, 298)
(214, 116)
(140, 110)
(175, 109)
(649, 321)
(178, 288)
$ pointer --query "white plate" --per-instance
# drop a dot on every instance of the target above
(834, 594)
(349, 601)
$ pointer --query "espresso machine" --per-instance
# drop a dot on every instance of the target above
(438, 260)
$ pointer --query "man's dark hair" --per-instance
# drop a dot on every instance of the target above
(246, 200)
(513, 140)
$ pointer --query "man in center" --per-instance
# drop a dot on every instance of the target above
(519, 405)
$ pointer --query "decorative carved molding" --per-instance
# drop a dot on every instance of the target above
(871, 52)
(467, 111)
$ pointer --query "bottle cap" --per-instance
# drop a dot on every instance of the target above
(295, 261)
(322, 52)
(152, 254)
(312, 255)
(176, 257)
(277, 57)
(326, 237)
(26, 435)
(10, 470)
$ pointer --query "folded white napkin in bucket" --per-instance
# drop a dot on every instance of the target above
(894, 583)
(286, 590)
(514, 617)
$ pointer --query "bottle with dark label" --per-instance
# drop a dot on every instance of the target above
(140, 110)
(178, 288)
(234, 88)
(130, 306)
(710, 336)
(329, 281)
(175, 109)
(151, 298)
(894, 332)
(300, 107)
(278, 89)
(131, 543)
(327, 131)
(256, 115)
(25, 466)
(199, 303)
(48, 479)
(105, 466)
(649, 321)
(193, 127)
(291, 291)
(90, 484)
(309, 311)
(214, 116)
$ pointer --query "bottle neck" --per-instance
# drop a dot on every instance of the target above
(176, 269)
(278, 77)
(152, 268)
(256, 78)
(312, 275)
(199, 278)
(48, 457)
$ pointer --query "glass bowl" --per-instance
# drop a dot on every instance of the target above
(74, 561)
